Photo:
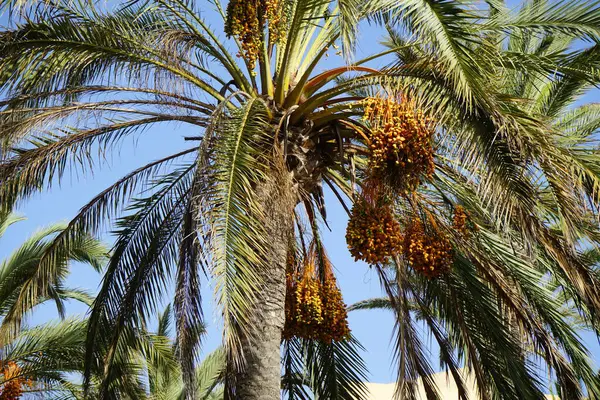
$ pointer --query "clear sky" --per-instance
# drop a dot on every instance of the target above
(357, 280)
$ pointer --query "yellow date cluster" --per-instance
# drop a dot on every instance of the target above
(373, 235)
(401, 141)
(246, 20)
(314, 309)
(429, 254)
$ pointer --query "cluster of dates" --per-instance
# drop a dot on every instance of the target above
(459, 220)
(401, 156)
(400, 142)
(429, 253)
(246, 20)
(314, 308)
(462, 223)
(373, 234)
(12, 388)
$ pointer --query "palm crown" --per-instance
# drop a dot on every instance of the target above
(475, 187)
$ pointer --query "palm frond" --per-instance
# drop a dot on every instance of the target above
(25, 280)
(113, 44)
(412, 358)
(44, 164)
(372, 304)
(210, 373)
(188, 300)
(336, 370)
(47, 353)
(575, 18)
(238, 246)
(139, 267)
(7, 219)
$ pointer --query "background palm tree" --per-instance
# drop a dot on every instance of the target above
(51, 356)
(21, 352)
(20, 272)
(167, 383)
(78, 78)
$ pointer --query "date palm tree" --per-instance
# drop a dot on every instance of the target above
(45, 355)
(48, 356)
(21, 271)
(244, 203)
(18, 272)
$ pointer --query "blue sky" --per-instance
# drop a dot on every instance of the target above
(357, 280)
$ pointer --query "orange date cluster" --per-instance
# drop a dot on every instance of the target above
(427, 253)
(373, 235)
(459, 220)
(401, 141)
(12, 388)
(314, 309)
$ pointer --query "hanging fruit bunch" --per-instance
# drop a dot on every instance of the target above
(314, 308)
(13, 386)
(429, 253)
(335, 315)
(246, 20)
(462, 223)
(400, 141)
(275, 13)
(459, 220)
(373, 235)
(308, 307)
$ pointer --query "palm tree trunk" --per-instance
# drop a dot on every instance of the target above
(261, 378)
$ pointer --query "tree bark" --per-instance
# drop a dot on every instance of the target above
(261, 377)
